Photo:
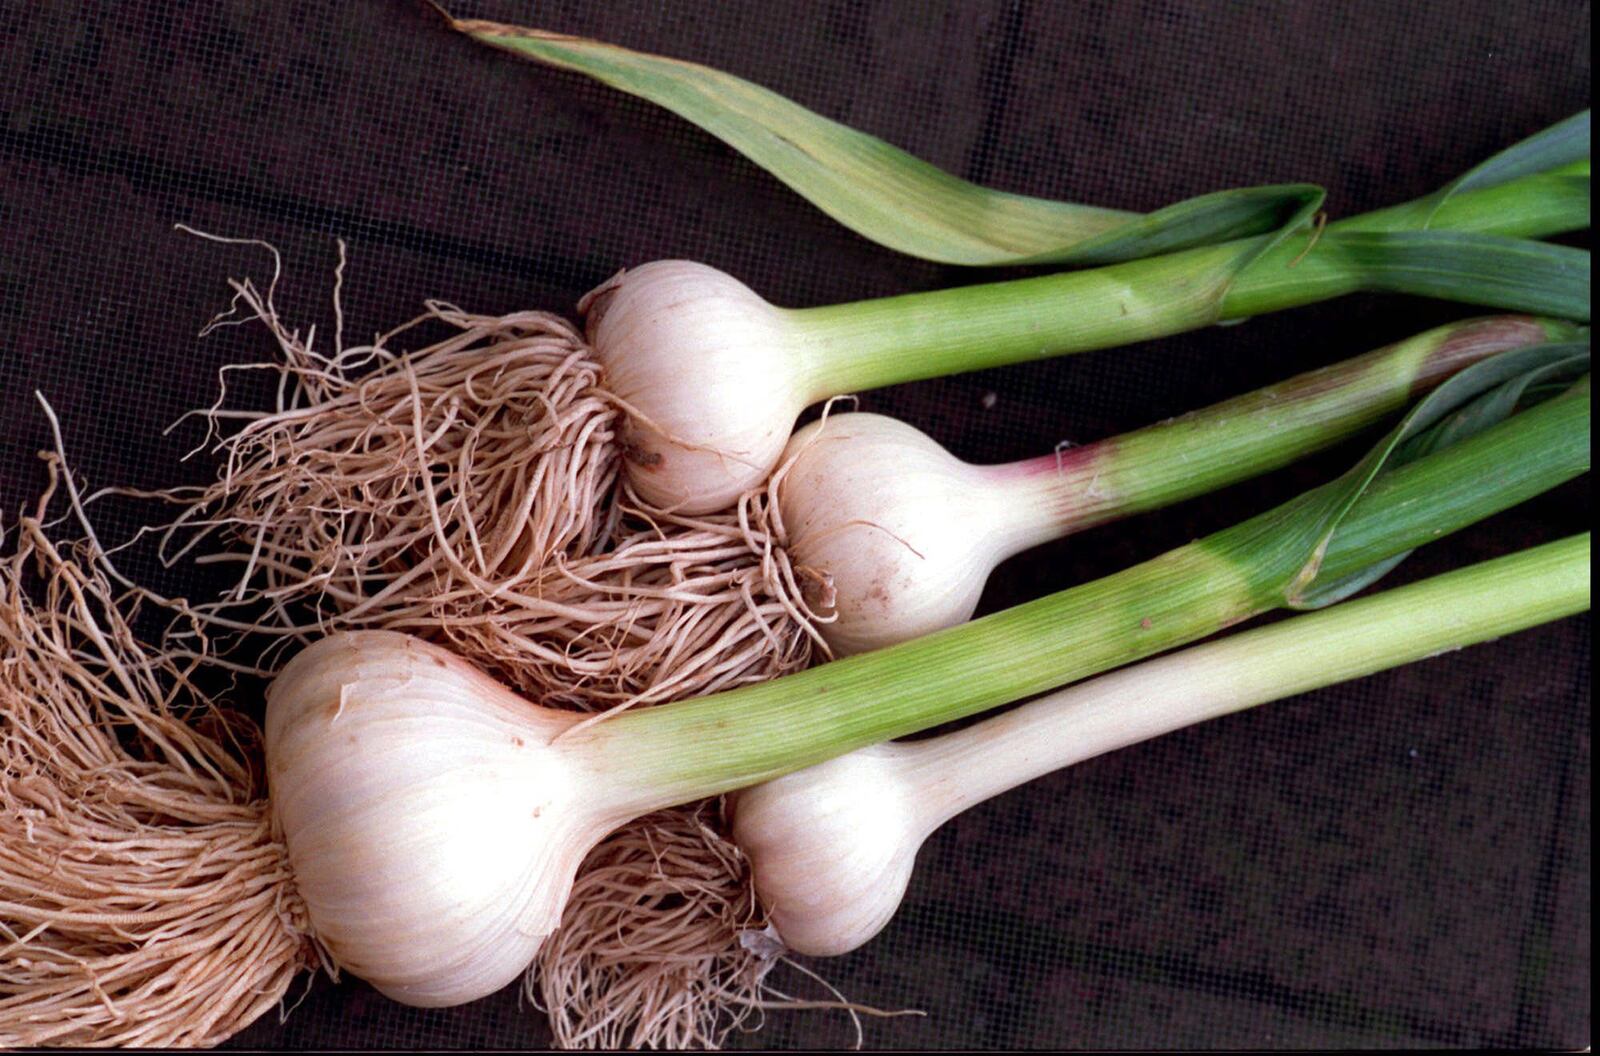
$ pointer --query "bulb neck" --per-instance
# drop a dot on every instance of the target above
(1054, 495)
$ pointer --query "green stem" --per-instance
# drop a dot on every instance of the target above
(1200, 452)
(679, 752)
(870, 344)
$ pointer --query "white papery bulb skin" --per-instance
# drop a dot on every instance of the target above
(898, 525)
(433, 831)
(713, 371)
(831, 848)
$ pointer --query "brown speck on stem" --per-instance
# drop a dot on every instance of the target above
(1145, 624)
(1471, 342)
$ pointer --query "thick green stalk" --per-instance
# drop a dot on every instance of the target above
(745, 736)
(870, 344)
(1252, 434)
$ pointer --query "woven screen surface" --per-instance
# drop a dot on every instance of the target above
(1401, 861)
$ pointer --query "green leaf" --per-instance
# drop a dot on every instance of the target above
(1508, 273)
(1222, 216)
(1563, 143)
(1477, 398)
(886, 194)
(1545, 371)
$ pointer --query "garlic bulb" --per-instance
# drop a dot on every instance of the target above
(907, 532)
(434, 832)
(712, 375)
(832, 847)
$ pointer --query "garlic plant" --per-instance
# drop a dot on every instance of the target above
(831, 848)
(903, 536)
(712, 376)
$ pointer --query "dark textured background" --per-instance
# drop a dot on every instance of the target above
(1399, 862)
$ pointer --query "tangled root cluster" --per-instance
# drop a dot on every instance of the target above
(650, 951)
(144, 899)
(470, 492)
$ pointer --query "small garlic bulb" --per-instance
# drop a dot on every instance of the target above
(434, 832)
(831, 848)
(713, 374)
(908, 532)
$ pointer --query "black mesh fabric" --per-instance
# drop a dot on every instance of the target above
(1398, 862)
